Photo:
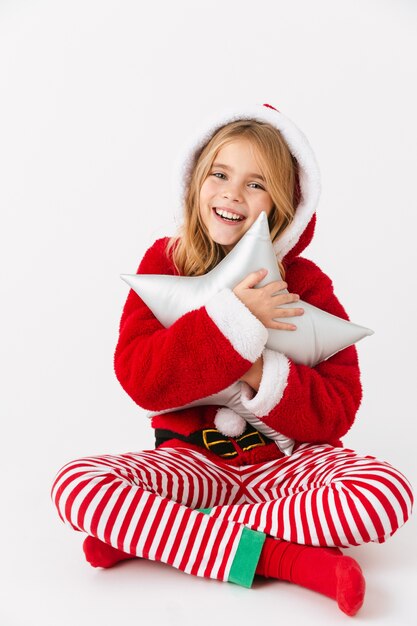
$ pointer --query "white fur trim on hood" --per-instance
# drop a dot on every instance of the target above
(309, 175)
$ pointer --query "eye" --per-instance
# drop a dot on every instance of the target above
(219, 174)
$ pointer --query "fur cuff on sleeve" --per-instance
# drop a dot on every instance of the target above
(245, 332)
(274, 379)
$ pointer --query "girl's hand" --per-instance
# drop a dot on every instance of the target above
(263, 302)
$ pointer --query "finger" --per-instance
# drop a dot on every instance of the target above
(280, 312)
(253, 279)
(275, 286)
(285, 298)
(281, 326)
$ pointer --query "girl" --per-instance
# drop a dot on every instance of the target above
(206, 502)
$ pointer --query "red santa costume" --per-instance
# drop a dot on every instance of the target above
(204, 501)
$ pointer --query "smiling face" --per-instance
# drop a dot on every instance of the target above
(234, 193)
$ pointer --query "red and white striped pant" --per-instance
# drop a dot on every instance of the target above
(147, 504)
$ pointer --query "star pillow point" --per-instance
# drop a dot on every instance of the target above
(318, 336)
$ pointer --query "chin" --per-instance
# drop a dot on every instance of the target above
(226, 243)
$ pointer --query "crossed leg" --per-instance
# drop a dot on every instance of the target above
(322, 496)
(146, 504)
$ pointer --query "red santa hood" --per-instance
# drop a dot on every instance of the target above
(300, 232)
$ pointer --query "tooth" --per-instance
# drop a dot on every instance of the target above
(228, 215)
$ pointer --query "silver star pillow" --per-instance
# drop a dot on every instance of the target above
(318, 335)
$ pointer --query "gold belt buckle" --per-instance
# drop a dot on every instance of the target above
(255, 440)
(218, 441)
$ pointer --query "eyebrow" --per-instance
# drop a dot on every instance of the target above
(227, 167)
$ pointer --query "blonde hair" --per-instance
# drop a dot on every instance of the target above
(193, 251)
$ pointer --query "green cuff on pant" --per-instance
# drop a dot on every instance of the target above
(246, 558)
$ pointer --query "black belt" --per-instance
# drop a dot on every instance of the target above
(213, 440)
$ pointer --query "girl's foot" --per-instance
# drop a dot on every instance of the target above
(100, 554)
(325, 570)
(350, 588)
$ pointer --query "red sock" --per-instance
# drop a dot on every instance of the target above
(100, 554)
(324, 570)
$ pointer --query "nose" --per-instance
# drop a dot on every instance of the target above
(233, 192)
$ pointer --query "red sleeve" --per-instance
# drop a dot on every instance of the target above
(200, 354)
(309, 403)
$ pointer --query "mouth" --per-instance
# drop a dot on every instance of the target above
(228, 217)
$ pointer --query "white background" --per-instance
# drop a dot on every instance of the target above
(96, 98)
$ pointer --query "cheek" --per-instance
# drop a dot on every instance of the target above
(204, 200)
(267, 206)
(208, 187)
(206, 195)
(203, 192)
(261, 207)
(203, 204)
